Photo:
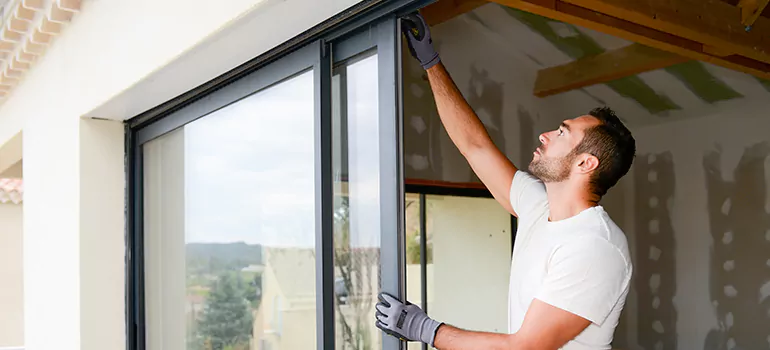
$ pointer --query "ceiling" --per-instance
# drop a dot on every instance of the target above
(530, 43)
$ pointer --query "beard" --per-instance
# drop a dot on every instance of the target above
(551, 169)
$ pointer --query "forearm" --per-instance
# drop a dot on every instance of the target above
(452, 338)
(460, 121)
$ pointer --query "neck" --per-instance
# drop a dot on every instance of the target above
(566, 200)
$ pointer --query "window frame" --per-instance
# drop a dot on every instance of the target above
(345, 34)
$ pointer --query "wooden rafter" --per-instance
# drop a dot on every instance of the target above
(602, 68)
(615, 24)
(445, 10)
(750, 11)
(709, 22)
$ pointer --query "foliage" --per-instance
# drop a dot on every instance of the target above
(356, 294)
(227, 320)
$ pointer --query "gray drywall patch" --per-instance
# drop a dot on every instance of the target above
(655, 277)
(526, 137)
(485, 96)
(739, 275)
(422, 126)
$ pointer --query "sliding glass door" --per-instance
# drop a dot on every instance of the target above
(366, 173)
(267, 213)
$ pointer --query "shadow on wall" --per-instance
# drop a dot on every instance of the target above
(655, 277)
(740, 255)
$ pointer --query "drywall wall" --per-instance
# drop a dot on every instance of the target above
(710, 183)
(694, 206)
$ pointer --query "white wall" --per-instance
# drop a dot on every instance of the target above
(116, 59)
(11, 276)
(701, 217)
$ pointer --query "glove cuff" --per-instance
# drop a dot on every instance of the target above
(432, 62)
(429, 330)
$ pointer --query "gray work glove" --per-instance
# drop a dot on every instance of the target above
(418, 37)
(405, 321)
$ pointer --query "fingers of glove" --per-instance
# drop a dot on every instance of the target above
(381, 325)
(381, 308)
(381, 317)
(388, 299)
(381, 297)
(414, 26)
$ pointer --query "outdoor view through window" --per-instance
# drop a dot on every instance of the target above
(229, 226)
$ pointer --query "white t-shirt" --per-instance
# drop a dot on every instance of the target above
(580, 264)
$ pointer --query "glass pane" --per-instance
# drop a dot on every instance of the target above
(229, 226)
(356, 169)
(413, 254)
(468, 237)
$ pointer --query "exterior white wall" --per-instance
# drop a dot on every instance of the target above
(116, 59)
(11, 276)
(102, 239)
(73, 235)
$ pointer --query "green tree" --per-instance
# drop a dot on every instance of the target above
(227, 320)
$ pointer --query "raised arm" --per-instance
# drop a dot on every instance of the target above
(471, 138)
(460, 121)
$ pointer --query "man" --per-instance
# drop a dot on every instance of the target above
(571, 269)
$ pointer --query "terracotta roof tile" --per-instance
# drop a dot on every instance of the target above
(11, 190)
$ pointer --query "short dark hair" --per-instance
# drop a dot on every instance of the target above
(612, 143)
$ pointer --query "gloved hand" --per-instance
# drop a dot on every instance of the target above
(405, 321)
(418, 37)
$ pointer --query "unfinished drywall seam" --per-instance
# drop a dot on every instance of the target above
(576, 44)
(526, 136)
(655, 280)
(765, 83)
(740, 254)
(423, 157)
(485, 96)
(703, 84)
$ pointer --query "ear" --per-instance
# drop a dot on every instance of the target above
(587, 163)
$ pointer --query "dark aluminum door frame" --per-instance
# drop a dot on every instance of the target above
(318, 49)
(298, 62)
(384, 37)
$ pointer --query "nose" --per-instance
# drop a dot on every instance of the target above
(543, 138)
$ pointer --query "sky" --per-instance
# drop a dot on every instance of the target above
(249, 167)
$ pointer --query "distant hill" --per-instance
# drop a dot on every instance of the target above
(213, 257)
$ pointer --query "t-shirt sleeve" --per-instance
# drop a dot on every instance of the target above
(527, 193)
(585, 278)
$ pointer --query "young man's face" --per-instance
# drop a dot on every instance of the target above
(554, 159)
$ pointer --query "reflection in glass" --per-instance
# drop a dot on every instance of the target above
(356, 172)
(229, 231)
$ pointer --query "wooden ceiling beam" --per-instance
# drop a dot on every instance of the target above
(608, 66)
(710, 22)
(570, 13)
(444, 10)
(750, 11)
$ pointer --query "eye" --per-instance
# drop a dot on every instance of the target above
(561, 131)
